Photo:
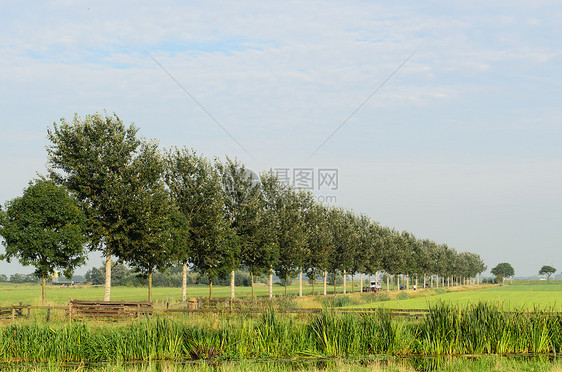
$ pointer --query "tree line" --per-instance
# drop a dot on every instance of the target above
(116, 193)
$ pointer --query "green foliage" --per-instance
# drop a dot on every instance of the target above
(547, 270)
(196, 189)
(337, 301)
(44, 228)
(95, 156)
(503, 270)
(402, 296)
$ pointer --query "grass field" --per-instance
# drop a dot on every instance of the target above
(528, 294)
(31, 293)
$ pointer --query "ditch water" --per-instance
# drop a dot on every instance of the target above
(417, 363)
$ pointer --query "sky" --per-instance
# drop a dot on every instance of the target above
(439, 118)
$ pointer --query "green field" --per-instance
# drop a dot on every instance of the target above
(528, 294)
(31, 293)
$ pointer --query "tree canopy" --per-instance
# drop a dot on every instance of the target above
(44, 228)
(547, 270)
(503, 270)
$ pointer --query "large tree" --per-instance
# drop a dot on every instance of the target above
(503, 270)
(148, 214)
(247, 216)
(548, 271)
(94, 156)
(196, 189)
(44, 228)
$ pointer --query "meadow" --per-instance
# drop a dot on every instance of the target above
(528, 295)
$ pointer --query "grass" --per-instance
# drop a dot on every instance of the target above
(31, 293)
(476, 329)
(530, 295)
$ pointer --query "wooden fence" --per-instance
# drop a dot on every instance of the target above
(123, 310)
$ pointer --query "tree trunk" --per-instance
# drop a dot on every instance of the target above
(210, 288)
(150, 286)
(184, 282)
(232, 284)
(407, 282)
(313, 280)
(397, 282)
(44, 289)
(300, 282)
(387, 282)
(344, 282)
(107, 290)
(436, 281)
(424, 283)
(270, 284)
(325, 282)
(335, 291)
(352, 283)
(252, 282)
(286, 279)
(361, 283)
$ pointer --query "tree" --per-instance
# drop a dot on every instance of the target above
(94, 155)
(44, 228)
(548, 271)
(147, 215)
(197, 192)
(503, 270)
(247, 216)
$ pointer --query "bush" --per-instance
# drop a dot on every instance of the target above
(337, 301)
(402, 296)
(382, 297)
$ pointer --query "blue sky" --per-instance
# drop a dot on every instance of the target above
(461, 145)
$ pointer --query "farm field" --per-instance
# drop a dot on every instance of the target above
(31, 293)
(528, 294)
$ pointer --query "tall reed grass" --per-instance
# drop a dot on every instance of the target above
(449, 330)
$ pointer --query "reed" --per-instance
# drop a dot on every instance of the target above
(477, 329)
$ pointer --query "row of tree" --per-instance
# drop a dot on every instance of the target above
(120, 195)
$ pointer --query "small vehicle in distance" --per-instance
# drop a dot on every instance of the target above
(374, 287)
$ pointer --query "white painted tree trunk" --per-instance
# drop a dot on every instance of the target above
(232, 286)
(184, 282)
(360, 283)
(325, 282)
(270, 284)
(344, 282)
(107, 290)
(300, 282)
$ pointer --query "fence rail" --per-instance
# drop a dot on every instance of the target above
(123, 310)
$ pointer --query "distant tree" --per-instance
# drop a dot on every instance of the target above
(3, 278)
(548, 271)
(503, 270)
(95, 276)
(44, 228)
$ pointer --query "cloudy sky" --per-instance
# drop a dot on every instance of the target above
(449, 114)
